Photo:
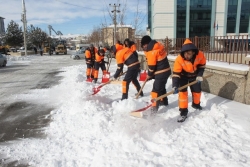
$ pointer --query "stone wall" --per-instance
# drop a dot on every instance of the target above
(228, 83)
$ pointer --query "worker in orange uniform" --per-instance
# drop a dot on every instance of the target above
(188, 67)
(119, 45)
(158, 69)
(127, 57)
(130, 44)
(99, 62)
(90, 60)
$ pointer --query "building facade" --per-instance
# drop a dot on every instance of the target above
(122, 32)
(2, 29)
(189, 18)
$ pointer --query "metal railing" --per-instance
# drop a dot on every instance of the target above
(231, 49)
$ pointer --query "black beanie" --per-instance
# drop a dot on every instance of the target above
(102, 51)
(145, 40)
(113, 49)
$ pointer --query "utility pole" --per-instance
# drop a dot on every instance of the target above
(24, 26)
(114, 19)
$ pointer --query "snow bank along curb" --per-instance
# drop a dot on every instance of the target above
(230, 81)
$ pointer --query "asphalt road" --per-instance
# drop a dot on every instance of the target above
(22, 119)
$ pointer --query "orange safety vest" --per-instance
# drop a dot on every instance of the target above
(188, 68)
(99, 58)
(126, 56)
(89, 55)
(154, 58)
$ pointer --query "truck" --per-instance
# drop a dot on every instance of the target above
(61, 47)
(80, 46)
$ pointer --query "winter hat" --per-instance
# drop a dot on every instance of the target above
(188, 45)
(102, 51)
(91, 45)
(145, 40)
(113, 49)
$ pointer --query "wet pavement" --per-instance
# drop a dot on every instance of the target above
(22, 119)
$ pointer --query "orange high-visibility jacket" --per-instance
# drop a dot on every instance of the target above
(90, 54)
(133, 47)
(98, 57)
(156, 58)
(188, 68)
(127, 57)
(118, 46)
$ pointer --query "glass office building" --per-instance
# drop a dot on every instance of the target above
(189, 18)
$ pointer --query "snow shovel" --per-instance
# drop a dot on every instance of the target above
(106, 75)
(96, 90)
(138, 94)
(138, 113)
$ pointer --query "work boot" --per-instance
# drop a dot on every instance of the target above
(181, 118)
(183, 114)
(196, 106)
(124, 96)
(164, 102)
(95, 80)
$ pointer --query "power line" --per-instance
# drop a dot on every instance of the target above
(76, 5)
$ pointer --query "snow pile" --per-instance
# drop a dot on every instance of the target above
(97, 130)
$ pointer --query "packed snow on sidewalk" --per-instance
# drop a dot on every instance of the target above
(97, 130)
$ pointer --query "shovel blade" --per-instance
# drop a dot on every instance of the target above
(96, 90)
(105, 77)
(136, 114)
(139, 113)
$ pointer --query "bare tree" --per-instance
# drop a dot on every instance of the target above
(95, 36)
(139, 17)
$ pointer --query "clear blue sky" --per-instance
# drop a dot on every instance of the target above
(74, 16)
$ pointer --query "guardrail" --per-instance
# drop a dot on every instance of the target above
(231, 49)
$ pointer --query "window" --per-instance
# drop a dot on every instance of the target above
(231, 16)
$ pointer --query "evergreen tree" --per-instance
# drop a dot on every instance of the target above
(36, 36)
(14, 34)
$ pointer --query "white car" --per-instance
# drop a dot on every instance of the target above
(80, 54)
(3, 60)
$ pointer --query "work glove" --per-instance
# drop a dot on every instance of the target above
(199, 79)
(175, 89)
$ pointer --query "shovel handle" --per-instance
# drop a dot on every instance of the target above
(138, 94)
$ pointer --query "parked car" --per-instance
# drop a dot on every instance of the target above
(3, 60)
(80, 54)
(13, 49)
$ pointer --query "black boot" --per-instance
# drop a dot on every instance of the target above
(95, 80)
(164, 102)
(183, 114)
(196, 106)
(124, 96)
